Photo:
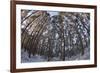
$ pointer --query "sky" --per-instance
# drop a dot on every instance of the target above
(52, 13)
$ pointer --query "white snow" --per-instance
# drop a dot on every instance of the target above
(57, 35)
(36, 58)
(44, 33)
(22, 26)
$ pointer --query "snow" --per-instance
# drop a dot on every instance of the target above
(74, 40)
(79, 57)
(30, 12)
(23, 26)
(45, 32)
(36, 58)
(57, 35)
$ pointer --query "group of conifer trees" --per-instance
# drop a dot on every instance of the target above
(59, 36)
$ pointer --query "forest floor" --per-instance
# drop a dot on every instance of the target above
(37, 58)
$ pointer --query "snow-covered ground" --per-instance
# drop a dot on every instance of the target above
(25, 58)
(37, 58)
